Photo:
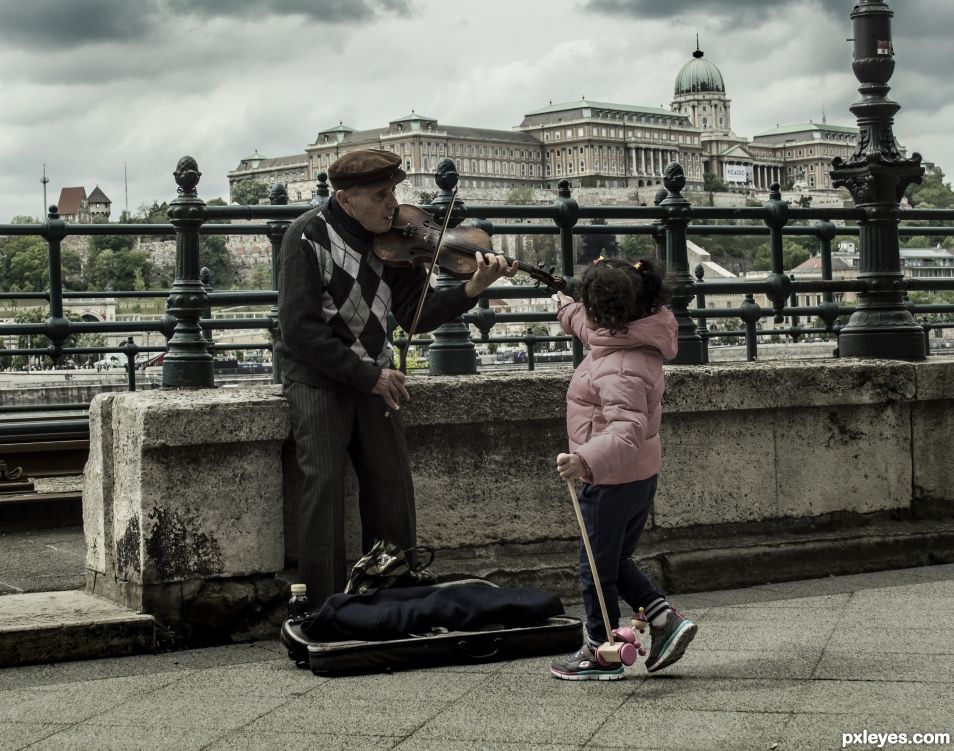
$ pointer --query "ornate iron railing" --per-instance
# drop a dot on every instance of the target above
(187, 324)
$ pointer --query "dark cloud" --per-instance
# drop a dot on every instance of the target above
(58, 24)
(723, 12)
(67, 24)
(327, 11)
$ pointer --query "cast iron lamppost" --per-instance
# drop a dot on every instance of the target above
(187, 362)
(452, 352)
(877, 175)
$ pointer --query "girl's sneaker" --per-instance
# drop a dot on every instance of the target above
(670, 640)
(582, 666)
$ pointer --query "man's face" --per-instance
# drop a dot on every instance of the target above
(372, 206)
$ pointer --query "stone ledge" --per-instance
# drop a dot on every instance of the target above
(684, 564)
(49, 627)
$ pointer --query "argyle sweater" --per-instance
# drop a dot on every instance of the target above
(334, 296)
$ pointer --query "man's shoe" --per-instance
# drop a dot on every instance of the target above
(582, 666)
(670, 640)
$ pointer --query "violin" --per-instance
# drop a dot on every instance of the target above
(414, 237)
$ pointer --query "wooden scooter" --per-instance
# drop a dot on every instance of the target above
(622, 646)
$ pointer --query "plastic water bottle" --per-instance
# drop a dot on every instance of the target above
(298, 605)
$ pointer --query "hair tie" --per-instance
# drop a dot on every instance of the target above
(638, 265)
(598, 261)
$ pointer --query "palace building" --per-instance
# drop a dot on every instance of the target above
(588, 143)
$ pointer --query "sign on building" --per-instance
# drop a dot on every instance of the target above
(736, 173)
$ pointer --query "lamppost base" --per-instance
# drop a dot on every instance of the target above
(887, 343)
(452, 359)
(187, 374)
(692, 352)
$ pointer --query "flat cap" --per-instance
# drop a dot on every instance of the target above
(365, 167)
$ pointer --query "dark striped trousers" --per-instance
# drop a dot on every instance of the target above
(329, 427)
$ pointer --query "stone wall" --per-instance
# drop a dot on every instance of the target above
(185, 495)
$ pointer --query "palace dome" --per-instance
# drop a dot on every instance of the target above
(698, 75)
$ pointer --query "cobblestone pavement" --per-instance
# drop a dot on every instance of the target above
(815, 664)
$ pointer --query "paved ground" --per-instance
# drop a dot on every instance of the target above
(790, 666)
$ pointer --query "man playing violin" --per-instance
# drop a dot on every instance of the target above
(334, 296)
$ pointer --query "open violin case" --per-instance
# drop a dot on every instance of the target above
(452, 623)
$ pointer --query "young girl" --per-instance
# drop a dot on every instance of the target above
(612, 416)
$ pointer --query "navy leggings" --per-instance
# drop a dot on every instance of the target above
(615, 516)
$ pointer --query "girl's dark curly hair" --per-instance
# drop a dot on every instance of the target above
(615, 292)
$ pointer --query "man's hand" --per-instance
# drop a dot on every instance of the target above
(571, 467)
(390, 387)
(490, 267)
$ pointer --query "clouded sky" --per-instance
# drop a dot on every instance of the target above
(90, 85)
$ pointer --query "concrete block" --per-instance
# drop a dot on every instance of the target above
(499, 485)
(771, 385)
(867, 448)
(716, 469)
(98, 483)
(931, 450)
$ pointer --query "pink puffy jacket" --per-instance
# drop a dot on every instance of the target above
(614, 403)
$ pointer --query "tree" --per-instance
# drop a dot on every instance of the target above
(119, 269)
(214, 255)
(932, 193)
(713, 183)
(793, 254)
(520, 194)
(249, 192)
(594, 246)
(115, 243)
(634, 247)
(25, 266)
(40, 341)
(260, 277)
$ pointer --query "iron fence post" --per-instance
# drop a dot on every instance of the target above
(452, 351)
(187, 362)
(276, 233)
(659, 233)
(691, 346)
(130, 349)
(205, 277)
(322, 191)
(877, 175)
(750, 312)
(567, 214)
(828, 309)
(703, 320)
(54, 230)
(779, 284)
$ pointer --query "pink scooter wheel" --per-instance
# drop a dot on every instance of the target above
(627, 654)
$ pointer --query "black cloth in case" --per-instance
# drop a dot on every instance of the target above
(394, 613)
(465, 622)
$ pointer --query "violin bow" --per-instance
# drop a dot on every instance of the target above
(427, 283)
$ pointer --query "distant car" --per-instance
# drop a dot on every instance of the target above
(110, 361)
